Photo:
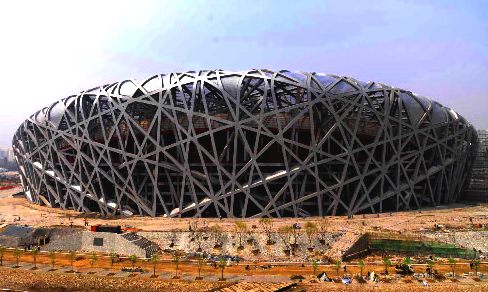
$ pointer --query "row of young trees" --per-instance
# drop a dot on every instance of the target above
(431, 263)
(288, 234)
(291, 233)
(386, 261)
(201, 261)
(93, 257)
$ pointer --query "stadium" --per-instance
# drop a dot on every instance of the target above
(255, 143)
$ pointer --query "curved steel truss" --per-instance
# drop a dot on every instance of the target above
(244, 144)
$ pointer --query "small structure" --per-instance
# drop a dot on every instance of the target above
(23, 236)
(106, 228)
(103, 242)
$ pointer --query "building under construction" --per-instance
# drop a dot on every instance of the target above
(244, 144)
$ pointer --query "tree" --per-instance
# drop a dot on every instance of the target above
(285, 235)
(34, 252)
(431, 264)
(2, 253)
(295, 233)
(52, 256)
(222, 265)
(174, 237)
(133, 259)
(337, 266)
(17, 254)
(112, 256)
(267, 226)
(199, 240)
(315, 265)
(72, 258)
(93, 257)
(476, 265)
(176, 261)
(386, 263)
(452, 264)
(322, 229)
(310, 231)
(154, 261)
(407, 261)
(216, 232)
(200, 263)
(241, 230)
(361, 266)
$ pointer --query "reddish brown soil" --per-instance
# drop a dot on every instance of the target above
(190, 267)
(37, 281)
(455, 217)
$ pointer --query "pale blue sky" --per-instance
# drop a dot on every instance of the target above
(50, 50)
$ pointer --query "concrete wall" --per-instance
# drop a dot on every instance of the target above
(10, 241)
(112, 242)
(467, 239)
(83, 241)
(231, 242)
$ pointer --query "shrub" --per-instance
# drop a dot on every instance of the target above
(439, 277)
(359, 279)
(297, 277)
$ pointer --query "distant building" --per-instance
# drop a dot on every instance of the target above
(10, 155)
(7, 159)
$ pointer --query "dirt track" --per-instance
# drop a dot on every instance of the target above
(49, 281)
(255, 269)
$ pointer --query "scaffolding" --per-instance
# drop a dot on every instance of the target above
(477, 189)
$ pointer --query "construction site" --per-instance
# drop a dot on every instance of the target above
(44, 248)
(443, 247)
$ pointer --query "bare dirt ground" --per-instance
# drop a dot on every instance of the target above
(453, 217)
(9, 192)
(456, 216)
(17, 279)
(251, 271)
(413, 287)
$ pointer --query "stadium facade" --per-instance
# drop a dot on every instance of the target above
(244, 144)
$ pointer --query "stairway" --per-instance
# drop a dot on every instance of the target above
(150, 247)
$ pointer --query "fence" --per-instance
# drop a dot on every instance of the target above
(406, 244)
(411, 247)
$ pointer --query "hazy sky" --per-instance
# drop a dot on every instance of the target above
(50, 50)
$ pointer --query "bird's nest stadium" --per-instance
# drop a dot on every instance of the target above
(244, 144)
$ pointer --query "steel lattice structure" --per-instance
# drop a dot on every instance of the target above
(244, 144)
